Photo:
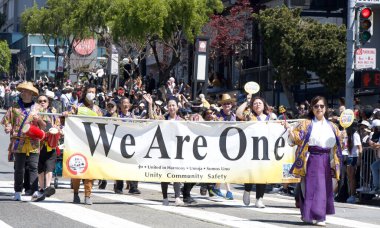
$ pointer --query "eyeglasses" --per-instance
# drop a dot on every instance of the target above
(42, 101)
(319, 106)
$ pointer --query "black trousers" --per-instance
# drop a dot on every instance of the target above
(120, 184)
(187, 189)
(260, 189)
(21, 160)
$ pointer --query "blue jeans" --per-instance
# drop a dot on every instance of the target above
(375, 169)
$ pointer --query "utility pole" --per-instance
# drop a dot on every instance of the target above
(350, 38)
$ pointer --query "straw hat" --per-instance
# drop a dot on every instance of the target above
(27, 86)
(226, 98)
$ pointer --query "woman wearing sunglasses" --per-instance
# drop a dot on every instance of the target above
(48, 156)
(316, 138)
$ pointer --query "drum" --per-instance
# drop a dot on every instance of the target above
(33, 132)
(53, 137)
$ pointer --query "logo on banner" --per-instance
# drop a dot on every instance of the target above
(77, 164)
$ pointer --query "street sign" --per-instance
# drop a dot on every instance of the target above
(365, 58)
(368, 2)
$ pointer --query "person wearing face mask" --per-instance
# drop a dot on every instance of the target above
(85, 105)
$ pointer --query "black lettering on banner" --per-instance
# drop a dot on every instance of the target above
(161, 144)
(223, 142)
(280, 141)
(256, 141)
(196, 145)
(123, 145)
(103, 135)
(180, 141)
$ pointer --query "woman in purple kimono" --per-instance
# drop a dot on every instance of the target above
(318, 142)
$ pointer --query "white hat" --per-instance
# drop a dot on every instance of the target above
(366, 123)
(49, 94)
(375, 123)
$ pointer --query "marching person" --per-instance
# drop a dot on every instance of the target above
(111, 111)
(225, 114)
(317, 138)
(124, 112)
(48, 156)
(87, 104)
(25, 148)
(257, 111)
(172, 106)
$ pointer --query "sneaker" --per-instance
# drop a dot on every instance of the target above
(38, 196)
(229, 195)
(189, 200)
(49, 191)
(320, 223)
(179, 202)
(217, 192)
(246, 198)
(351, 199)
(165, 202)
(210, 193)
(134, 191)
(87, 200)
(28, 192)
(259, 203)
(17, 196)
(118, 191)
(275, 190)
(76, 198)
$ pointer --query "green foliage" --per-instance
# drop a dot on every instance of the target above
(297, 46)
(5, 57)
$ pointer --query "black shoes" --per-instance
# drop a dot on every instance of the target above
(189, 200)
(134, 191)
(49, 191)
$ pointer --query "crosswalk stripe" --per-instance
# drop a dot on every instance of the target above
(97, 219)
(214, 217)
(75, 212)
(271, 210)
(4, 225)
(85, 215)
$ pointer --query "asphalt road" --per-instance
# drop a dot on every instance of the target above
(146, 210)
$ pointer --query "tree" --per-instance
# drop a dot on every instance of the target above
(57, 24)
(227, 31)
(5, 57)
(165, 24)
(297, 46)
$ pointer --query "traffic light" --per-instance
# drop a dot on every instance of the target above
(365, 23)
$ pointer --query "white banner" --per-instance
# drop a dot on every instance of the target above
(233, 152)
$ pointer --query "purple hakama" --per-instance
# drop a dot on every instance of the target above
(317, 200)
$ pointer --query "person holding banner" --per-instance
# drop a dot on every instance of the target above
(172, 106)
(225, 114)
(256, 111)
(24, 124)
(124, 112)
(87, 107)
(48, 156)
(316, 138)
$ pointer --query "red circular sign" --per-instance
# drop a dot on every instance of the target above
(77, 164)
(84, 47)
